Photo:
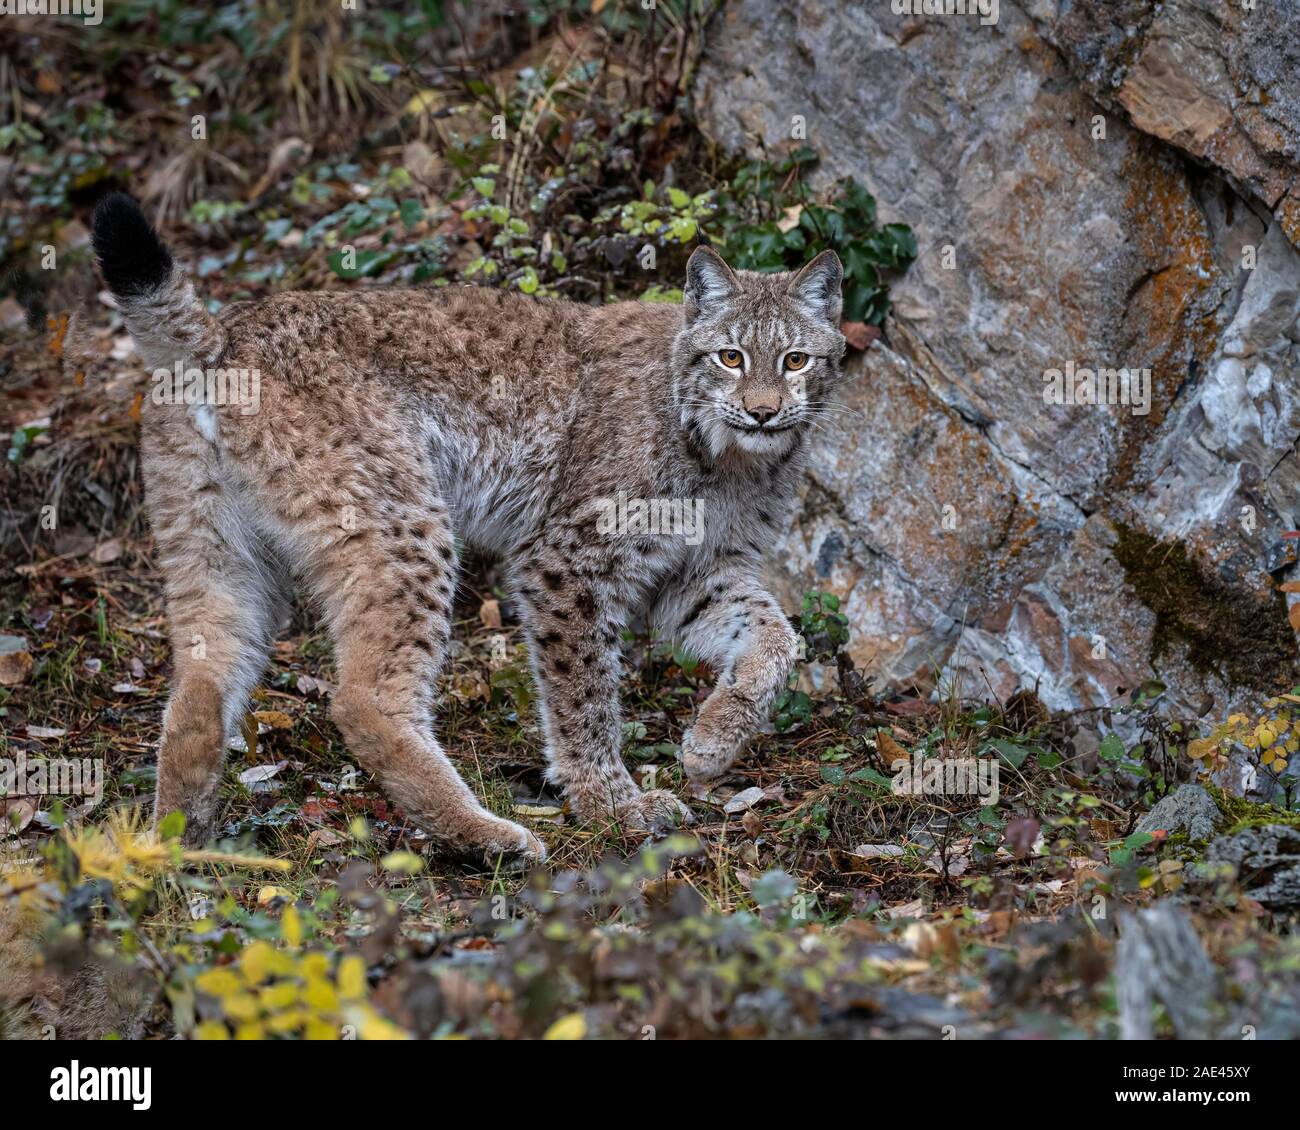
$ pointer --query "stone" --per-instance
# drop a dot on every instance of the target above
(1188, 809)
(978, 535)
(1160, 957)
(1267, 861)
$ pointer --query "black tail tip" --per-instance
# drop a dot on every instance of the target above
(133, 259)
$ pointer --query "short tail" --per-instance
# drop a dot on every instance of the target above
(161, 308)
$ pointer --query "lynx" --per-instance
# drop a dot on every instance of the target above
(393, 428)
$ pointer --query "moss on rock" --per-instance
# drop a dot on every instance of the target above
(1228, 632)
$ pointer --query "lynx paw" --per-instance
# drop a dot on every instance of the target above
(703, 757)
(650, 811)
(655, 811)
(515, 846)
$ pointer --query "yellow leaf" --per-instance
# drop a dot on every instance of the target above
(218, 983)
(279, 997)
(402, 862)
(352, 978)
(291, 926)
(268, 895)
(250, 1031)
(371, 1026)
(276, 719)
(571, 1027)
(320, 995)
(261, 960)
(315, 965)
(318, 1029)
(211, 1030)
(241, 1006)
(422, 101)
(285, 1022)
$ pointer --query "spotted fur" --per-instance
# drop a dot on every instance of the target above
(395, 426)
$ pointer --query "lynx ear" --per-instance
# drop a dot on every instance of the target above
(708, 281)
(817, 287)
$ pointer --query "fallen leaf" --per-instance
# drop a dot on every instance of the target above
(324, 837)
(15, 661)
(790, 220)
(260, 773)
(308, 685)
(489, 612)
(889, 749)
(268, 895)
(911, 706)
(276, 719)
(1020, 835)
(877, 851)
(538, 810)
(45, 732)
(743, 800)
(17, 813)
(859, 334)
(571, 1027)
(106, 551)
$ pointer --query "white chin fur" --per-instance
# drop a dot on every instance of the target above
(760, 443)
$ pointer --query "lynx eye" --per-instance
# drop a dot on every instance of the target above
(732, 358)
(795, 361)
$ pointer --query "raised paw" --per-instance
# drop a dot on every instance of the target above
(704, 757)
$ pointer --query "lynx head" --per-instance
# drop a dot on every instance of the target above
(757, 353)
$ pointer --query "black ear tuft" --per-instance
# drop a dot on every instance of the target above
(817, 286)
(708, 280)
(132, 258)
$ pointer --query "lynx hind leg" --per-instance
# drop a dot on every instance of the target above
(225, 596)
(387, 588)
(740, 629)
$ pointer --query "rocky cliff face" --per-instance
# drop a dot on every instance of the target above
(1094, 186)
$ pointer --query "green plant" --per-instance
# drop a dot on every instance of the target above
(768, 221)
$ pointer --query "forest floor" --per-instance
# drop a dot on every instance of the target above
(811, 897)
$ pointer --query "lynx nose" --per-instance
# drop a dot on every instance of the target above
(761, 406)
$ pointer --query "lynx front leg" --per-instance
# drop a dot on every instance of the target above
(573, 638)
(736, 626)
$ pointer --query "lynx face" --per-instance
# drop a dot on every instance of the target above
(758, 354)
